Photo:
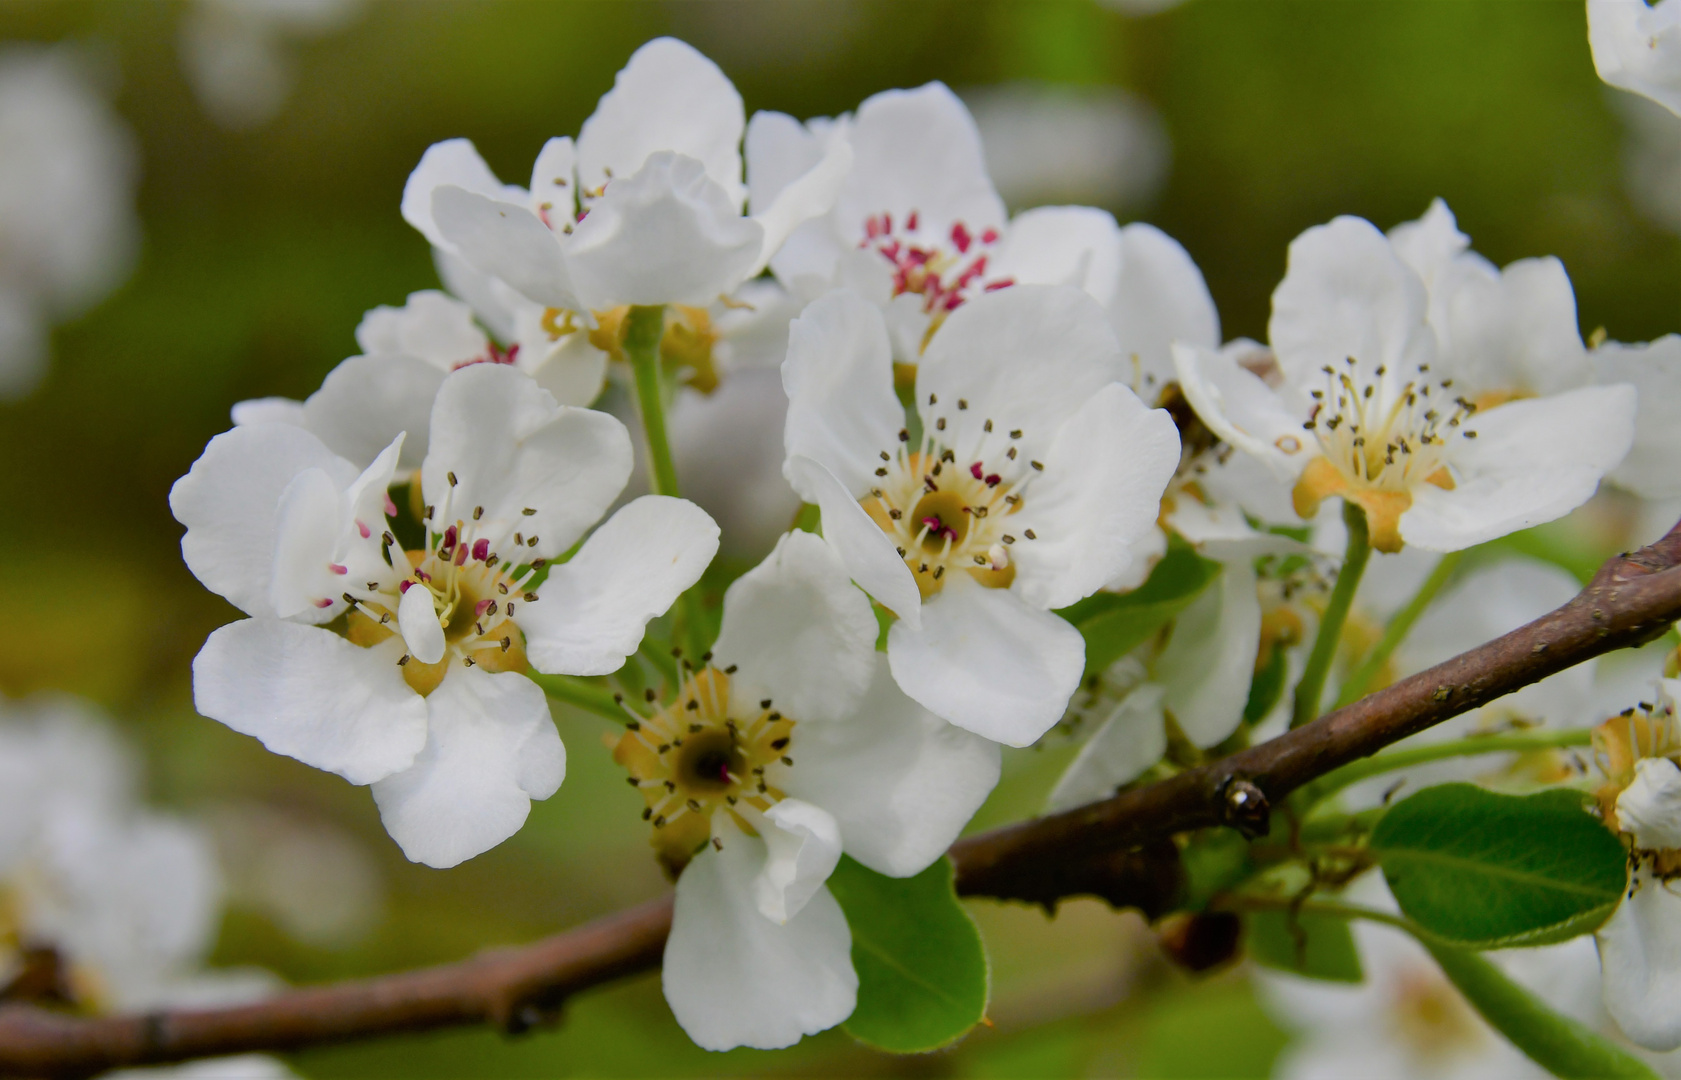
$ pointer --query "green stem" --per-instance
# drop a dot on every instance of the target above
(1397, 629)
(644, 329)
(1516, 741)
(585, 695)
(1557, 1043)
(1312, 686)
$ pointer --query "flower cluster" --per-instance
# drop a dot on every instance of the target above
(1037, 494)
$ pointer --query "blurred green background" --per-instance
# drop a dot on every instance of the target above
(264, 247)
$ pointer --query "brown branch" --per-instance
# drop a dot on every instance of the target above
(1119, 849)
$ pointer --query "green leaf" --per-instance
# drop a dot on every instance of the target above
(1557, 1043)
(1313, 945)
(922, 970)
(1486, 870)
(1114, 624)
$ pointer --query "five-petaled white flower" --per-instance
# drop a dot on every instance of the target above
(645, 208)
(1638, 48)
(1510, 333)
(401, 669)
(919, 229)
(1032, 475)
(1640, 945)
(1361, 405)
(792, 747)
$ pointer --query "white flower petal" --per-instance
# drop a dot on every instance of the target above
(988, 662)
(842, 412)
(554, 179)
(1640, 957)
(593, 610)
(1239, 407)
(306, 525)
(228, 502)
(1650, 807)
(803, 845)
(1511, 330)
(268, 410)
(574, 371)
(780, 151)
(799, 632)
(511, 448)
(809, 196)
(417, 618)
(1062, 245)
(1428, 245)
(1210, 659)
(506, 241)
(453, 162)
(1637, 48)
(1653, 369)
(665, 234)
(430, 326)
(667, 97)
(1160, 298)
(1100, 493)
(1025, 357)
(917, 150)
(309, 694)
(901, 782)
(367, 401)
(489, 298)
(1346, 294)
(735, 978)
(1132, 738)
(728, 448)
(491, 748)
(866, 550)
(1532, 461)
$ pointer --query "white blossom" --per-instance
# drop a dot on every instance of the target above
(1360, 405)
(645, 208)
(416, 687)
(68, 231)
(1637, 47)
(1034, 474)
(919, 229)
(793, 747)
(237, 56)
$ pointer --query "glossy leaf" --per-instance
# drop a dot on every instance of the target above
(1485, 870)
(923, 979)
(1114, 624)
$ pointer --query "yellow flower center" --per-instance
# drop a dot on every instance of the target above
(1378, 441)
(703, 753)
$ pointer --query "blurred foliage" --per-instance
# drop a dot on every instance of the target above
(263, 249)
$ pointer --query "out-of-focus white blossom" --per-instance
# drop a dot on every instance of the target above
(104, 904)
(312, 880)
(1049, 144)
(237, 53)
(1637, 47)
(1651, 159)
(68, 231)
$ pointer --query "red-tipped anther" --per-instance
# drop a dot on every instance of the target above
(910, 222)
(481, 549)
(934, 524)
(461, 555)
(1001, 283)
(390, 507)
(363, 529)
(481, 607)
(990, 236)
(323, 603)
(975, 470)
(960, 236)
(404, 587)
(421, 575)
(993, 480)
(337, 569)
(450, 535)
